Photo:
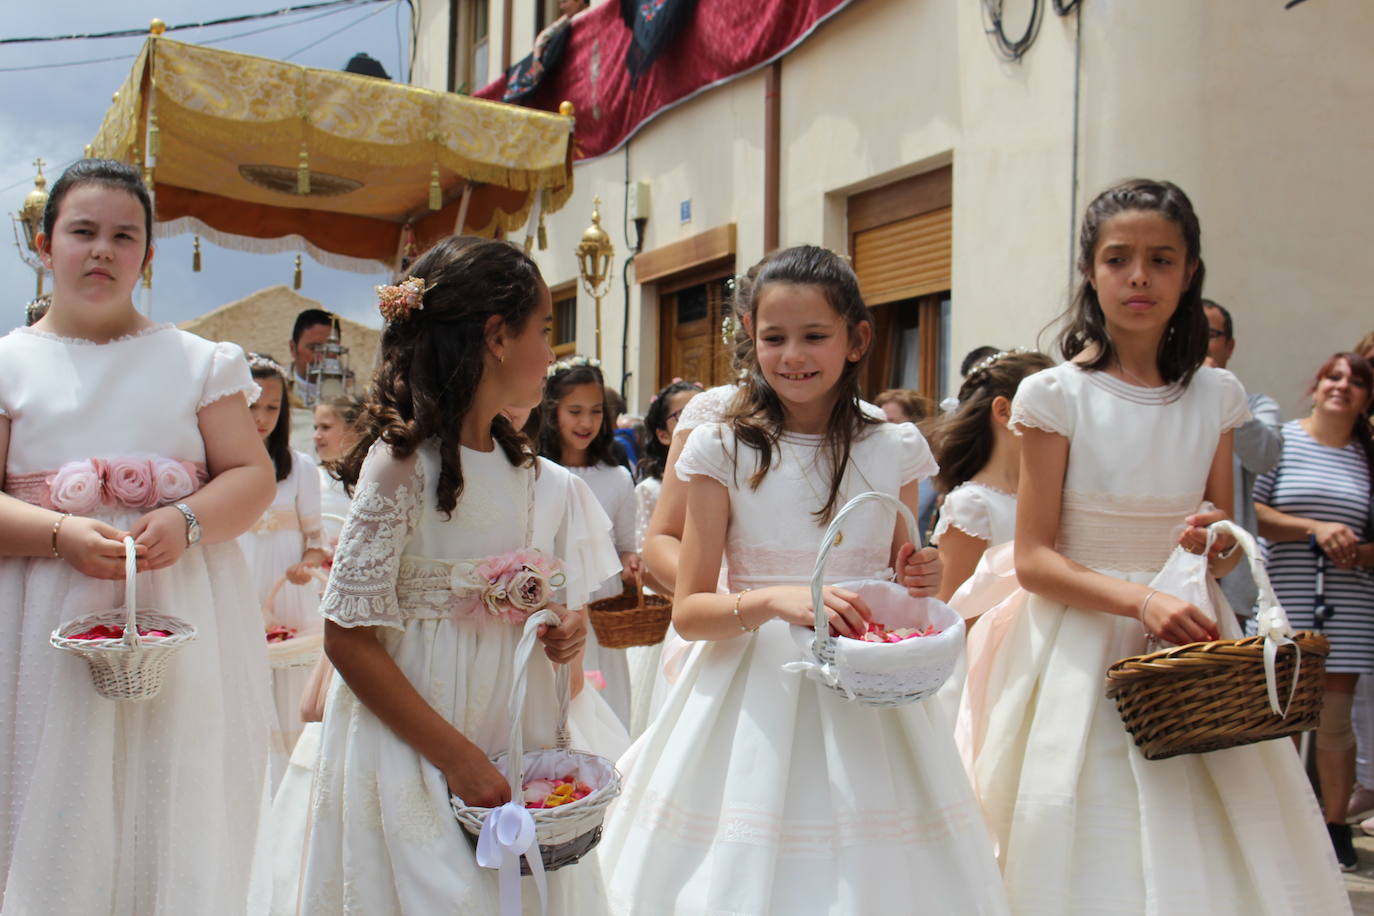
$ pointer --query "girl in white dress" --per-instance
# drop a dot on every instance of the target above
(443, 481)
(111, 425)
(759, 791)
(1120, 445)
(286, 542)
(335, 436)
(575, 431)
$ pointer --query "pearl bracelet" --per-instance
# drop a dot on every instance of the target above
(56, 527)
(738, 619)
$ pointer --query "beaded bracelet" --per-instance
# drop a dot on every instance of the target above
(56, 527)
(1152, 593)
(738, 618)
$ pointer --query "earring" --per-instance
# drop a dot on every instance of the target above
(502, 358)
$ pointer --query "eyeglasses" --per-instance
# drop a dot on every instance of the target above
(1216, 334)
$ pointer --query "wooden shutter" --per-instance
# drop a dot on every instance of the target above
(905, 259)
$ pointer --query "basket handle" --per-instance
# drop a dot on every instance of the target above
(131, 640)
(515, 746)
(823, 643)
(1271, 621)
(269, 603)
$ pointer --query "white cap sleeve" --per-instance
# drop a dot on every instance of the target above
(1235, 403)
(917, 461)
(1042, 403)
(966, 508)
(707, 407)
(707, 455)
(228, 375)
(584, 544)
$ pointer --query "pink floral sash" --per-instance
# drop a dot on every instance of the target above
(131, 481)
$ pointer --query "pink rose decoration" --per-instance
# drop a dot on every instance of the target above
(528, 590)
(130, 482)
(172, 480)
(76, 488)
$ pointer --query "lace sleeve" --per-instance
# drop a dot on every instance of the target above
(308, 500)
(1041, 402)
(707, 407)
(386, 508)
(228, 375)
(965, 509)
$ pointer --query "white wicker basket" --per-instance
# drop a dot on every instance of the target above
(298, 651)
(879, 674)
(566, 833)
(133, 667)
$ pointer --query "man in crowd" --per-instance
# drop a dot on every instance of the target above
(311, 330)
(1258, 445)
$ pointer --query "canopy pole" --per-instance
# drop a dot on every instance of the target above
(460, 224)
(533, 225)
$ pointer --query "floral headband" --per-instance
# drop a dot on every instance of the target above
(266, 364)
(573, 362)
(988, 362)
(398, 301)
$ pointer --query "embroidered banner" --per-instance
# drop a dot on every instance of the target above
(723, 40)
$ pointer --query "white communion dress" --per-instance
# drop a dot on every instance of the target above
(615, 491)
(383, 838)
(276, 542)
(1085, 824)
(109, 807)
(758, 791)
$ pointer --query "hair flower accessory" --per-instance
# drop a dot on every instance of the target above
(573, 362)
(398, 301)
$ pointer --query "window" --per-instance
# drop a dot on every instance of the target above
(564, 337)
(480, 46)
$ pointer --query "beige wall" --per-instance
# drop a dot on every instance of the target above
(1261, 114)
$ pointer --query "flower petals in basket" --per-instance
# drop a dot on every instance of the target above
(286, 646)
(879, 673)
(132, 664)
(521, 841)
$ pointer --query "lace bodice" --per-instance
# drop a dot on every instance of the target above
(773, 536)
(72, 400)
(1138, 457)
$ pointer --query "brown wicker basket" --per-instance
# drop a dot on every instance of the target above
(1206, 696)
(631, 618)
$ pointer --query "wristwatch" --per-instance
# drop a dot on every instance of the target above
(192, 524)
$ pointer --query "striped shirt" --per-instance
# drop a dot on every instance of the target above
(1330, 485)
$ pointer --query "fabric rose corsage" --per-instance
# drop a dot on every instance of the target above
(508, 587)
(133, 481)
(78, 487)
(130, 482)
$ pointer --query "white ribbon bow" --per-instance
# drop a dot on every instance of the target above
(507, 834)
(824, 672)
(1276, 632)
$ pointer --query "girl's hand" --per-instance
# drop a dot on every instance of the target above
(475, 779)
(1194, 536)
(162, 533)
(849, 615)
(1337, 541)
(92, 547)
(1176, 621)
(299, 573)
(629, 567)
(919, 570)
(563, 644)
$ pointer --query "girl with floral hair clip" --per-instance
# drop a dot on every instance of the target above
(441, 560)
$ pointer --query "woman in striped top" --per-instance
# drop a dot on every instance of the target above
(1320, 494)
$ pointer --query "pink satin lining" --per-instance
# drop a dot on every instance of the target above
(36, 488)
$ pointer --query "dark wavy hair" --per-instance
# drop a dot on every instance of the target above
(654, 453)
(107, 173)
(1184, 344)
(1362, 373)
(756, 414)
(432, 360)
(279, 439)
(600, 450)
(961, 440)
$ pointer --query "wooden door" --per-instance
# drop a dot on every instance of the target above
(690, 345)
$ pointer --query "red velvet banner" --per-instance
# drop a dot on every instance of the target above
(725, 39)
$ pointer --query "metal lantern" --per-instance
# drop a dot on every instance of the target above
(595, 260)
(330, 374)
(29, 221)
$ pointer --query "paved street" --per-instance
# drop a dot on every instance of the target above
(1361, 882)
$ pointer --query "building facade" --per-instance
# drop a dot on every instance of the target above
(955, 178)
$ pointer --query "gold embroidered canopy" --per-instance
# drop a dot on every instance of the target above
(268, 156)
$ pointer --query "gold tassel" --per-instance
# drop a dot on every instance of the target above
(296, 283)
(436, 194)
(543, 233)
(195, 255)
(303, 172)
(154, 139)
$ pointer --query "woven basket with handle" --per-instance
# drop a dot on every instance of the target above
(1207, 696)
(566, 833)
(631, 618)
(132, 667)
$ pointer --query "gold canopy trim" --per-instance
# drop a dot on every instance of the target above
(214, 112)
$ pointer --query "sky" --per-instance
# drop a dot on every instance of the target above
(53, 111)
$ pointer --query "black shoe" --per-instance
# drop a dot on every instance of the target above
(1344, 844)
